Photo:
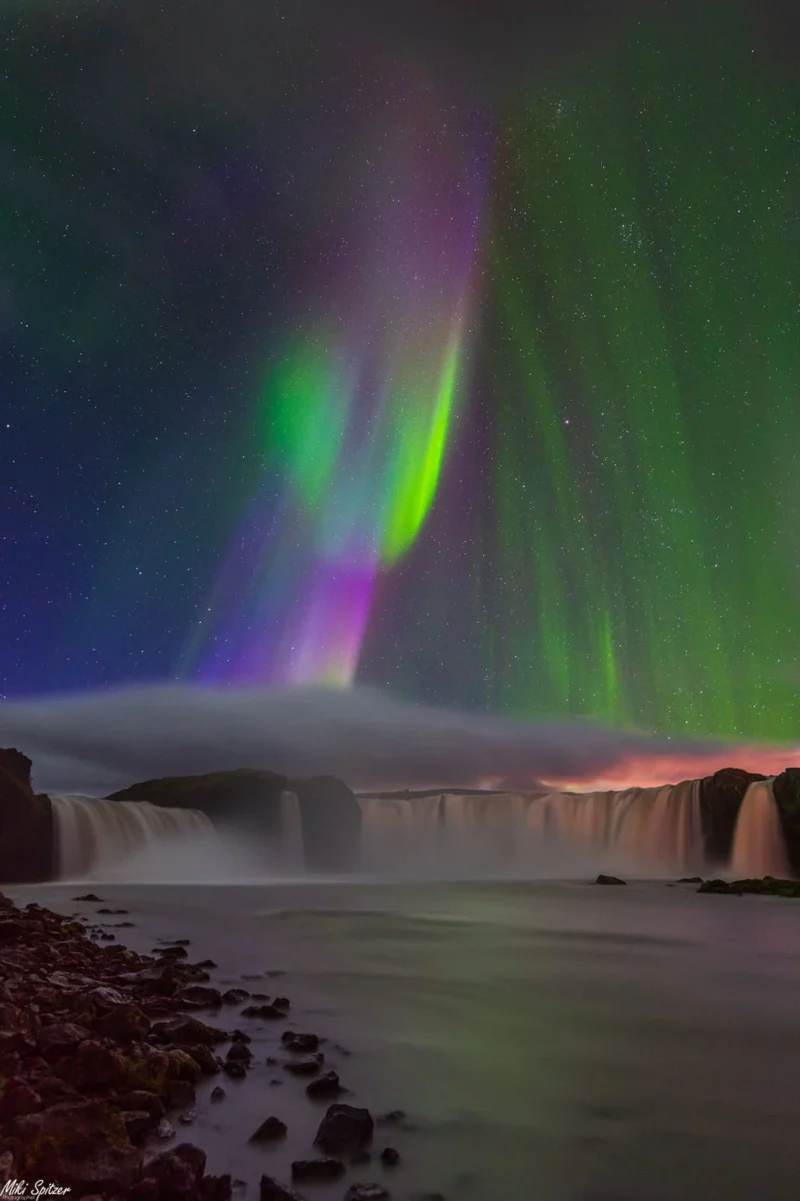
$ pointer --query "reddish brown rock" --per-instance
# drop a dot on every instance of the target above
(188, 1032)
(27, 841)
(82, 1144)
(205, 1060)
(178, 1171)
(123, 1023)
(94, 1067)
(18, 1098)
(60, 1039)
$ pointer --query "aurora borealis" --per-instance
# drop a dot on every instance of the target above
(335, 367)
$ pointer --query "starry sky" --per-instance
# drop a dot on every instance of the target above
(454, 353)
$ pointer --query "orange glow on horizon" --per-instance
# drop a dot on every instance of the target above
(651, 771)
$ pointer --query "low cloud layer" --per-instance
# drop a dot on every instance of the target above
(100, 741)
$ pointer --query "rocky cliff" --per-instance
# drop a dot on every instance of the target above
(721, 798)
(27, 852)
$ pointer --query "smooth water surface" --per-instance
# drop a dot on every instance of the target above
(549, 1041)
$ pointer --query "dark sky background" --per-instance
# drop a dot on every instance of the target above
(176, 181)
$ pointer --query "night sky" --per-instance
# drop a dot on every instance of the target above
(454, 351)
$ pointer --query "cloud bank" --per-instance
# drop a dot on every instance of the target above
(97, 742)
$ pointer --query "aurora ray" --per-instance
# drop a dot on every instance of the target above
(356, 415)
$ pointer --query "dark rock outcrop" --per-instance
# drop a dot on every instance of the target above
(721, 798)
(245, 800)
(331, 821)
(250, 801)
(787, 794)
(766, 886)
(27, 839)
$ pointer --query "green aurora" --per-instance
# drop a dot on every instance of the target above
(645, 329)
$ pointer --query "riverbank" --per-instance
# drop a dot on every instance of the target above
(113, 1064)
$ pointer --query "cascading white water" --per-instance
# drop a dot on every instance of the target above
(94, 835)
(759, 848)
(398, 830)
(659, 827)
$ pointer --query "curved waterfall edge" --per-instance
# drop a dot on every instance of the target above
(655, 830)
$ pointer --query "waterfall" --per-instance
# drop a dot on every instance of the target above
(759, 848)
(291, 837)
(655, 827)
(94, 835)
(395, 830)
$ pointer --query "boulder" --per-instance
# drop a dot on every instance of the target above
(345, 1129)
(330, 817)
(27, 838)
(271, 1190)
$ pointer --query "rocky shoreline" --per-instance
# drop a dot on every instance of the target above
(101, 1056)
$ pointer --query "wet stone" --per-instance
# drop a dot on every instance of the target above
(327, 1085)
(390, 1157)
(271, 1190)
(270, 1130)
(235, 996)
(601, 879)
(218, 1094)
(234, 1070)
(344, 1129)
(302, 1043)
(240, 1052)
(306, 1065)
(317, 1169)
(366, 1192)
(268, 1012)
